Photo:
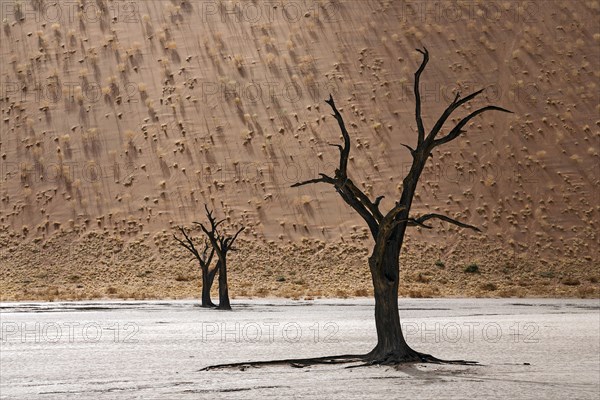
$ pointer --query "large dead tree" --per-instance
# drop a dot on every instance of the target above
(389, 228)
(204, 259)
(221, 244)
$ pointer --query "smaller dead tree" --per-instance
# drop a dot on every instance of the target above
(221, 244)
(215, 243)
(204, 259)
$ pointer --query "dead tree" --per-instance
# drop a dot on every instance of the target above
(388, 229)
(204, 259)
(221, 244)
(214, 242)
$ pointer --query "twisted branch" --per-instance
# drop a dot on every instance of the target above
(345, 150)
(420, 126)
(324, 178)
(221, 243)
(457, 102)
(420, 221)
(349, 192)
(188, 243)
(457, 130)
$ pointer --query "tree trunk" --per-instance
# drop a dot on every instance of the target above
(223, 290)
(391, 346)
(208, 277)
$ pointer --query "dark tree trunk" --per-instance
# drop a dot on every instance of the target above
(385, 269)
(208, 277)
(223, 289)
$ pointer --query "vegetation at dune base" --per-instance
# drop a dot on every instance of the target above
(472, 269)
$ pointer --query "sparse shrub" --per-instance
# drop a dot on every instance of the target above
(270, 59)
(472, 269)
(182, 278)
(421, 293)
(586, 292)
(238, 61)
(570, 281)
(439, 263)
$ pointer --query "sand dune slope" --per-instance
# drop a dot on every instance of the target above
(121, 119)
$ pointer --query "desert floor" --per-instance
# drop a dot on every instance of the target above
(534, 348)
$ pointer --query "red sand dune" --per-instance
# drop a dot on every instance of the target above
(121, 119)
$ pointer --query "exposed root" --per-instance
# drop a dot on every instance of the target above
(293, 362)
(367, 360)
(428, 358)
(412, 356)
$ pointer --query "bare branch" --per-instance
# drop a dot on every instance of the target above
(205, 249)
(412, 151)
(364, 199)
(345, 186)
(351, 199)
(344, 151)
(183, 244)
(188, 244)
(213, 223)
(420, 221)
(351, 194)
(220, 243)
(449, 110)
(414, 222)
(323, 179)
(208, 212)
(232, 239)
(209, 215)
(207, 259)
(209, 234)
(457, 130)
(212, 234)
(339, 146)
(420, 126)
